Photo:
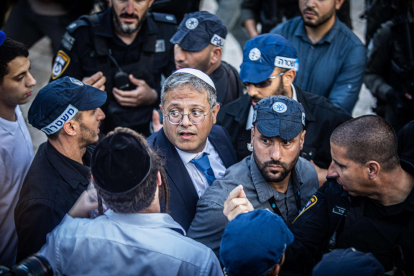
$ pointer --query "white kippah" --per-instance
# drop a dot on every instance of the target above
(199, 74)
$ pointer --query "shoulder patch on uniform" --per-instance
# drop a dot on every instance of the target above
(68, 41)
(76, 24)
(62, 61)
(164, 17)
(312, 201)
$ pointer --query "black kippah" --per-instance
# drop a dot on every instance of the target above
(120, 163)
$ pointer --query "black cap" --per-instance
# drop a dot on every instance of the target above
(120, 163)
(279, 116)
(198, 30)
(60, 100)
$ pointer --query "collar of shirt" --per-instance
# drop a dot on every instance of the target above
(146, 220)
(12, 127)
(249, 123)
(263, 189)
(188, 156)
(74, 173)
(329, 37)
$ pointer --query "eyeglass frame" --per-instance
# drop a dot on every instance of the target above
(182, 117)
(261, 86)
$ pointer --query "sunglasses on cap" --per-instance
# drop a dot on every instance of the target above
(263, 84)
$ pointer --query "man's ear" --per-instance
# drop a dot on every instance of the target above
(214, 113)
(289, 77)
(302, 139)
(71, 127)
(216, 54)
(373, 169)
(338, 4)
(252, 135)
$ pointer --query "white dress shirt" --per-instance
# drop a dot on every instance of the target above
(249, 123)
(199, 179)
(16, 155)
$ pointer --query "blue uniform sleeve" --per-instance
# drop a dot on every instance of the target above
(345, 90)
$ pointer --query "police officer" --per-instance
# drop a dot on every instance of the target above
(198, 44)
(268, 68)
(367, 203)
(123, 50)
(390, 68)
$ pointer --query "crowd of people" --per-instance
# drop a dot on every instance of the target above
(161, 158)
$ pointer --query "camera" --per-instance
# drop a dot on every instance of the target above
(34, 265)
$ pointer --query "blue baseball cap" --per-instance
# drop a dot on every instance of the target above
(263, 53)
(279, 116)
(345, 262)
(60, 100)
(198, 30)
(254, 242)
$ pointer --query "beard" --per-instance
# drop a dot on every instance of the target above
(125, 28)
(321, 19)
(88, 136)
(275, 176)
(280, 90)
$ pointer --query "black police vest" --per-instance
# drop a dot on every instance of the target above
(136, 118)
(390, 242)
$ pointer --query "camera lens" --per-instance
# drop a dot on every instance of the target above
(35, 265)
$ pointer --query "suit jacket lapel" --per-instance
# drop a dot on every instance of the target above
(178, 174)
(221, 149)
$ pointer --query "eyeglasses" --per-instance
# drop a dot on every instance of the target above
(196, 117)
(265, 83)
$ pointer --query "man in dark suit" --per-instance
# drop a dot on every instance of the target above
(196, 151)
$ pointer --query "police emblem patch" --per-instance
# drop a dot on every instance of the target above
(191, 23)
(312, 201)
(62, 61)
(279, 107)
(254, 54)
(75, 81)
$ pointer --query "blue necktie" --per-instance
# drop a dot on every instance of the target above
(203, 164)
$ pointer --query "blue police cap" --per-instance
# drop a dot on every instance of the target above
(60, 100)
(279, 116)
(198, 30)
(263, 53)
(345, 262)
(254, 242)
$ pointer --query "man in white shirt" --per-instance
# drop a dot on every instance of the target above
(134, 237)
(16, 150)
(196, 151)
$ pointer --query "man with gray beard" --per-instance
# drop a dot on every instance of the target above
(274, 177)
(124, 51)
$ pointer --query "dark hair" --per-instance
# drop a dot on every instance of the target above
(55, 136)
(10, 50)
(142, 196)
(368, 138)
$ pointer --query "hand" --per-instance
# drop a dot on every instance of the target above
(142, 95)
(156, 123)
(236, 203)
(97, 80)
(321, 173)
(83, 206)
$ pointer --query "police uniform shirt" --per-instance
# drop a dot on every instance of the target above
(53, 184)
(77, 57)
